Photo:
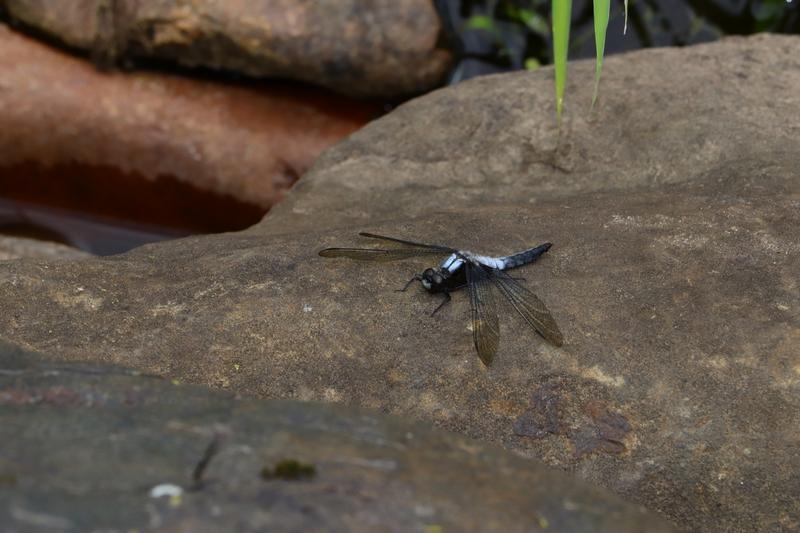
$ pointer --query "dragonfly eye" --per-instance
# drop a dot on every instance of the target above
(431, 277)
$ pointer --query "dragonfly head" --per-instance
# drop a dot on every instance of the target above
(432, 279)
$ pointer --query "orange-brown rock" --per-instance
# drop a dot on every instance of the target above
(60, 115)
(357, 47)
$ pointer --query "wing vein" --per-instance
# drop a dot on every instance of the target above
(529, 306)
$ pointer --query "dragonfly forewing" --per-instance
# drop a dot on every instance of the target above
(412, 244)
(485, 325)
(400, 249)
(376, 254)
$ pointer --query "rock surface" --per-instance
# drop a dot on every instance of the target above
(674, 214)
(250, 142)
(88, 448)
(495, 138)
(18, 247)
(358, 47)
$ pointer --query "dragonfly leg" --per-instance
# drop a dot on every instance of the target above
(446, 300)
(417, 277)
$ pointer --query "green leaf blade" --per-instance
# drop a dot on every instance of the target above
(602, 10)
(562, 14)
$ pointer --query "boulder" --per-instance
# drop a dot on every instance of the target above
(16, 247)
(60, 118)
(89, 447)
(673, 211)
(664, 116)
(383, 48)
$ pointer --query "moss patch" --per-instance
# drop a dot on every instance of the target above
(289, 469)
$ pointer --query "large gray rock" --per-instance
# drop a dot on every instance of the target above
(16, 247)
(90, 448)
(674, 214)
(357, 47)
(665, 116)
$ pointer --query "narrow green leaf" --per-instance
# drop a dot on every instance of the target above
(625, 27)
(562, 13)
(602, 10)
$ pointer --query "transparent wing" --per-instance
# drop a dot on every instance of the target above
(529, 306)
(376, 254)
(400, 250)
(442, 249)
(485, 327)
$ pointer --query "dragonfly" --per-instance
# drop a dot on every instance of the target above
(479, 273)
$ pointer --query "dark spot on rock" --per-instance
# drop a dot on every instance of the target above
(611, 425)
(7, 479)
(211, 450)
(544, 415)
(604, 433)
(578, 411)
(586, 441)
(289, 469)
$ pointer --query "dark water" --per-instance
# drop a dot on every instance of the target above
(501, 35)
(104, 211)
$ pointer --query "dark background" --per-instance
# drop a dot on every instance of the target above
(499, 35)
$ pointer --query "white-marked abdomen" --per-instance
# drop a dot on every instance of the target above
(493, 262)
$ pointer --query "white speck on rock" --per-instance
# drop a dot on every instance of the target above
(570, 505)
(332, 395)
(166, 489)
(424, 511)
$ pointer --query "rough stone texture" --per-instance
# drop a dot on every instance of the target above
(250, 142)
(83, 446)
(357, 47)
(17, 247)
(674, 215)
(664, 116)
